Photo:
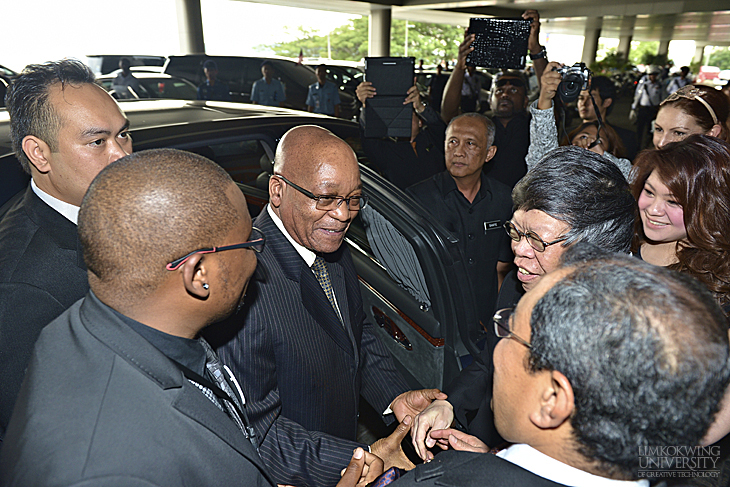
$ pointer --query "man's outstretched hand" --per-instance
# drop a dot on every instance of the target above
(363, 468)
(389, 449)
(413, 402)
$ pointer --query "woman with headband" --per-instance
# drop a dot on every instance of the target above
(694, 109)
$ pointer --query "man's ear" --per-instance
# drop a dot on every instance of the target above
(37, 152)
(275, 188)
(490, 153)
(607, 102)
(557, 401)
(196, 276)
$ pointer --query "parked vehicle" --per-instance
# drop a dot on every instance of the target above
(423, 310)
(152, 85)
(241, 72)
(106, 63)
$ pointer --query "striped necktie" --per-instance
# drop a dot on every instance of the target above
(320, 271)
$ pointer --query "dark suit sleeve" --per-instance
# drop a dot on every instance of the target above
(381, 382)
(33, 308)
(293, 455)
(470, 393)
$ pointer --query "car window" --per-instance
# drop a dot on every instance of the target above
(244, 159)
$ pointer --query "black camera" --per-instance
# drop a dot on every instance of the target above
(575, 79)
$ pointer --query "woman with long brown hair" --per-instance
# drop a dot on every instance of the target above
(683, 195)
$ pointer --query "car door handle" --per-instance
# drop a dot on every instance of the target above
(391, 328)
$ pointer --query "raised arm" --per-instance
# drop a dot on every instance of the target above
(537, 52)
(452, 92)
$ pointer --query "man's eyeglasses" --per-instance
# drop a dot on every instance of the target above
(502, 327)
(327, 203)
(532, 238)
(256, 243)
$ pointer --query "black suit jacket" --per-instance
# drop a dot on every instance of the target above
(302, 371)
(100, 405)
(466, 469)
(42, 273)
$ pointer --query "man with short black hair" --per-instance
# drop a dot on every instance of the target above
(212, 88)
(64, 129)
(125, 84)
(323, 96)
(604, 94)
(268, 90)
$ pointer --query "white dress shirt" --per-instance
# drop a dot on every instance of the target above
(71, 212)
(549, 468)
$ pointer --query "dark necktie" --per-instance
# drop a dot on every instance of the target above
(320, 271)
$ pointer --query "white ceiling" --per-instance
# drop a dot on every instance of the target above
(703, 21)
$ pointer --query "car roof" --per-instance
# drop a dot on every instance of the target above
(165, 118)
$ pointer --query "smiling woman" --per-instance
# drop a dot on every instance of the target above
(684, 207)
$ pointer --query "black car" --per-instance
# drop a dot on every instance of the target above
(240, 73)
(152, 85)
(412, 275)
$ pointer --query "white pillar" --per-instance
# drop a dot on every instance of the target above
(190, 27)
(379, 31)
(626, 35)
(699, 56)
(590, 44)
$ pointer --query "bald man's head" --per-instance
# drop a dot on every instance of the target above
(148, 209)
(322, 164)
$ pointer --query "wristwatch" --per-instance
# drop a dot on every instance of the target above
(540, 55)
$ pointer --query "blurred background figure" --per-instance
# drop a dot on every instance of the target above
(268, 90)
(647, 97)
(125, 81)
(212, 88)
(323, 97)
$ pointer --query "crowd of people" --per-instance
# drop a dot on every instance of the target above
(152, 333)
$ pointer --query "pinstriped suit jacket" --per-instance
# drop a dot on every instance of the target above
(302, 371)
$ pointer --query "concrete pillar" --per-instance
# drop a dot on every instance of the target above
(190, 27)
(626, 35)
(379, 31)
(663, 48)
(699, 56)
(590, 44)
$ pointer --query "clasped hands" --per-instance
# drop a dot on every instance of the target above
(431, 426)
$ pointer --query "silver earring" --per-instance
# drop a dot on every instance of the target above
(205, 286)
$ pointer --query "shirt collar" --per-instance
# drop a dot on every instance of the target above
(306, 254)
(71, 212)
(551, 469)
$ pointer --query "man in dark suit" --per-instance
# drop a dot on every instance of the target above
(607, 363)
(119, 390)
(65, 129)
(304, 352)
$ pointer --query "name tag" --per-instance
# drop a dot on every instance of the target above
(491, 225)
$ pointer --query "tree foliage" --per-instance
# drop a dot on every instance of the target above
(720, 57)
(430, 42)
(644, 52)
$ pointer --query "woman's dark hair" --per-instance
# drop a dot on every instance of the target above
(697, 172)
(608, 135)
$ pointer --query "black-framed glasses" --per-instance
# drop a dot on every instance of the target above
(326, 202)
(532, 238)
(256, 243)
(502, 326)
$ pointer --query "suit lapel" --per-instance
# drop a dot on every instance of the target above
(316, 302)
(313, 297)
(106, 326)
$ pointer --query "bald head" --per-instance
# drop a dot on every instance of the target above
(148, 209)
(322, 164)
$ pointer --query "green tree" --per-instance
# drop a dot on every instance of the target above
(720, 57)
(643, 52)
(430, 42)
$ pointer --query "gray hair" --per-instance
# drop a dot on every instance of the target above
(488, 124)
(584, 190)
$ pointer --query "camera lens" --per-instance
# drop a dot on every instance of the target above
(570, 87)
